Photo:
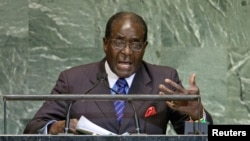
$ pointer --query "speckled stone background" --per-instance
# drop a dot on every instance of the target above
(40, 38)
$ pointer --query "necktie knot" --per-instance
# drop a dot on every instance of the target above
(121, 82)
(122, 85)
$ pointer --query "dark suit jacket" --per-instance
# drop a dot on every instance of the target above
(78, 80)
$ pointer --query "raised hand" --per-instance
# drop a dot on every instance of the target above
(190, 108)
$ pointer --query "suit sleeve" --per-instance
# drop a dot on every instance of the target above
(50, 110)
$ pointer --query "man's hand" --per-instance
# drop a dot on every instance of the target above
(188, 107)
(59, 126)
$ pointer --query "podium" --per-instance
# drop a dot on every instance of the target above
(102, 138)
(103, 97)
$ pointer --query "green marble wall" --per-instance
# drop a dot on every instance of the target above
(40, 38)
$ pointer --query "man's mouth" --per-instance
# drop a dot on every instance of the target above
(124, 65)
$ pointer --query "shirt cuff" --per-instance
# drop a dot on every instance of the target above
(203, 119)
(44, 130)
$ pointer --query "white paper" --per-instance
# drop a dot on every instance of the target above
(86, 126)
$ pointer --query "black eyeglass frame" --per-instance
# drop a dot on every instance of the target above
(120, 44)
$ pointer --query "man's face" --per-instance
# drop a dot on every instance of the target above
(124, 62)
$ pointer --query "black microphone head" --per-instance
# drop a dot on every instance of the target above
(102, 76)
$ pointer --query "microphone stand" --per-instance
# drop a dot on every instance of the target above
(136, 119)
(67, 122)
(198, 130)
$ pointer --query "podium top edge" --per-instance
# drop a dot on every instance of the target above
(101, 97)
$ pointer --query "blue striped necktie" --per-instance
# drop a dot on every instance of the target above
(121, 84)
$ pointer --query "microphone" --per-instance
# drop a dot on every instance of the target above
(137, 125)
(101, 77)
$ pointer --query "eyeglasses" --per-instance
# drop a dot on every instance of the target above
(121, 44)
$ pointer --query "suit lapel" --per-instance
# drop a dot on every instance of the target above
(141, 83)
(106, 107)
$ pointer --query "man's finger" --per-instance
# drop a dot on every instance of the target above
(192, 80)
(165, 89)
(175, 85)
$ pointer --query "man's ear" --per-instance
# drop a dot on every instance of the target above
(105, 43)
(145, 45)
